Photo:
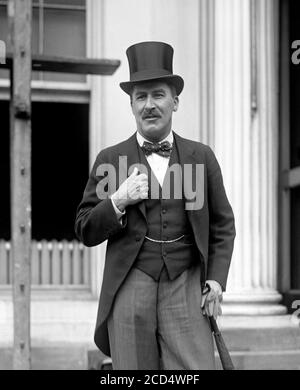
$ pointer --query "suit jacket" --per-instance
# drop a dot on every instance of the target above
(212, 224)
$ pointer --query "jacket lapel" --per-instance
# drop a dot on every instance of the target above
(186, 151)
(188, 159)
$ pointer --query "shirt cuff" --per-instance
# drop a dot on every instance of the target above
(117, 211)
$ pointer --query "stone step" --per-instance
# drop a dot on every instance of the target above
(253, 342)
(76, 358)
(262, 339)
(277, 333)
(50, 358)
(265, 360)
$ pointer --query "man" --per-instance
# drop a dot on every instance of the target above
(165, 246)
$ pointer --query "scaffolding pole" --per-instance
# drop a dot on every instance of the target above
(20, 17)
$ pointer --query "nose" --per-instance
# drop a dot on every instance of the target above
(149, 103)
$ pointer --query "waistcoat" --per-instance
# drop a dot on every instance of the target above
(166, 220)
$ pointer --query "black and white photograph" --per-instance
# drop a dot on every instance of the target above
(150, 196)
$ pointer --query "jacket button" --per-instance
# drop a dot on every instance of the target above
(164, 211)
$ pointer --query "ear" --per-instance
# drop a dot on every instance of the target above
(131, 105)
(176, 103)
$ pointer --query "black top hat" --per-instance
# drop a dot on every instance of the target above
(151, 61)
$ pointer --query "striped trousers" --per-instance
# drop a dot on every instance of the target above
(159, 325)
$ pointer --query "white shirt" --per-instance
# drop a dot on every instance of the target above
(158, 163)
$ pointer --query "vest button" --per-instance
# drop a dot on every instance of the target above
(165, 225)
(138, 238)
(164, 211)
(164, 254)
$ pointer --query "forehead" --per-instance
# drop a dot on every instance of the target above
(151, 87)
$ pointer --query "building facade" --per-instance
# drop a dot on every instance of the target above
(240, 98)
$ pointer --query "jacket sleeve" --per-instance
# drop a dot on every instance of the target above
(96, 219)
(221, 224)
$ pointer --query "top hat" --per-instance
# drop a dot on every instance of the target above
(151, 61)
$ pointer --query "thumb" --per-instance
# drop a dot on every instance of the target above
(135, 172)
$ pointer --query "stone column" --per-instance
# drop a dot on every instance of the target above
(245, 142)
(95, 49)
(207, 71)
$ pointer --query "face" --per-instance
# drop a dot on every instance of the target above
(153, 105)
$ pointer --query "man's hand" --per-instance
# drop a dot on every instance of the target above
(133, 190)
(211, 298)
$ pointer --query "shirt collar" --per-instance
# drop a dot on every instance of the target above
(141, 139)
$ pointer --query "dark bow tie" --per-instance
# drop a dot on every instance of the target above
(164, 149)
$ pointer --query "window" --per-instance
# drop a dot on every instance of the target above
(58, 29)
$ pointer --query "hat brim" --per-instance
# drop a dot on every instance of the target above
(175, 80)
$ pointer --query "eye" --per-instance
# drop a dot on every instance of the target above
(140, 97)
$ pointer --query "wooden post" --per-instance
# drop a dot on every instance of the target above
(20, 16)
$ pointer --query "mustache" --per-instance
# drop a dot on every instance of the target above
(150, 114)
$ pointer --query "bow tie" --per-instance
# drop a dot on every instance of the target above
(164, 149)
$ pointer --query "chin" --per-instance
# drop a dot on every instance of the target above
(150, 130)
(153, 131)
(153, 134)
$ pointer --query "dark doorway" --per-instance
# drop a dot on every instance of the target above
(60, 166)
(4, 172)
(289, 197)
(295, 147)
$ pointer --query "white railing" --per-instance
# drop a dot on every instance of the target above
(61, 263)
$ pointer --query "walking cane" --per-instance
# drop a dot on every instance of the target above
(222, 349)
(220, 343)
